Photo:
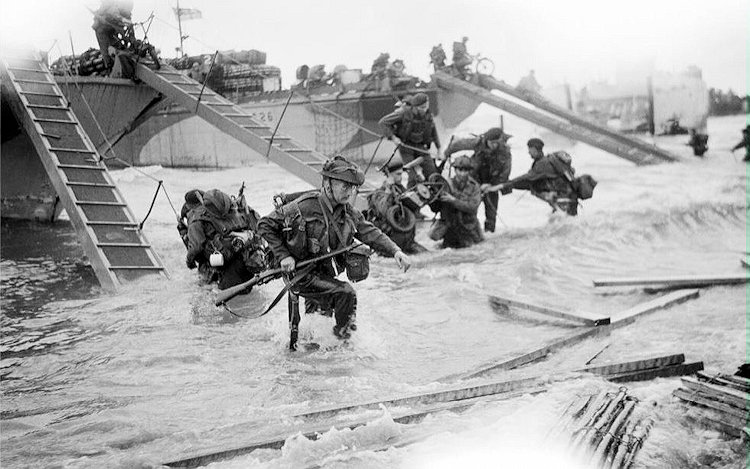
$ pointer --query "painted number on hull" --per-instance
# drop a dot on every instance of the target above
(263, 116)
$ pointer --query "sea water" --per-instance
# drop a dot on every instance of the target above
(142, 376)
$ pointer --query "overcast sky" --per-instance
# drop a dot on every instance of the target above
(563, 40)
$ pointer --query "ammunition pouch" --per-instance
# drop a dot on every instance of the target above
(357, 263)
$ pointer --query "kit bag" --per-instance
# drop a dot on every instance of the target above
(584, 186)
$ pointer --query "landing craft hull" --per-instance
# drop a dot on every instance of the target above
(335, 123)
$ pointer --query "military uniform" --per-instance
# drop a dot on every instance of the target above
(415, 130)
(218, 226)
(108, 23)
(490, 167)
(745, 143)
(545, 181)
(459, 216)
(303, 230)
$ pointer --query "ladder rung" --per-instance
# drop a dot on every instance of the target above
(74, 150)
(111, 223)
(79, 166)
(236, 115)
(315, 163)
(91, 184)
(103, 204)
(57, 121)
(24, 80)
(255, 127)
(43, 106)
(196, 93)
(277, 138)
(219, 104)
(135, 267)
(192, 83)
(123, 245)
(298, 150)
(21, 69)
(35, 93)
(169, 72)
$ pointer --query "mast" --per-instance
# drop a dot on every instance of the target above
(179, 28)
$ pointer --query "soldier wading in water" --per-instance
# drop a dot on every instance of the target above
(317, 222)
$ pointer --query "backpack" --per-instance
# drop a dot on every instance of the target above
(584, 186)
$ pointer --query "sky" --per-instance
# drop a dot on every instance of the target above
(564, 41)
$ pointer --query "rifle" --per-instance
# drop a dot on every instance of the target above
(266, 276)
(442, 165)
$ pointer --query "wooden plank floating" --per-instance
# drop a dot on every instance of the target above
(673, 282)
(312, 430)
(734, 382)
(583, 317)
(723, 394)
(665, 301)
(450, 394)
(635, 365)
(535, 354)
(681, 369)
(620, 319)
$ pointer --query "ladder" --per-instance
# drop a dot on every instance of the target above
(590, 134)
(110, 236)
(234, 121)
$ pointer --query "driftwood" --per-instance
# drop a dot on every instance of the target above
(688, 281)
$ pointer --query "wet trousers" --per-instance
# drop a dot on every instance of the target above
(490, 201)
(331, 292)
(428, 164)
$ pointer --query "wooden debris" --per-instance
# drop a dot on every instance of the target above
(636, 365)
(620, 319)
(601, 434)
(682, 369)
(650, 306)
(673, 282)
(313, 430)
(726, 395)
(581, 317)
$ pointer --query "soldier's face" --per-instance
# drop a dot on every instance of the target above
(395, 176)
(535, 153)
(493, 144)
(342, 192)
(422, 108)
(462, 174)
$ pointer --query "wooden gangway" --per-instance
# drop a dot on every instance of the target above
(108, 231)
(236, 122)
(555, 118)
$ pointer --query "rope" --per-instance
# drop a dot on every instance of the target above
(153, 200)
(278, 123)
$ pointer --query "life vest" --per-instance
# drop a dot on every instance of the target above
(415, 129)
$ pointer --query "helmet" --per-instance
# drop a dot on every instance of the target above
(496, 133)
(536, 143)
(217, 202)
(339, 168)
(463, 162)
(419, 99)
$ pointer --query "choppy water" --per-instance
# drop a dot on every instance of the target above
(98, 380)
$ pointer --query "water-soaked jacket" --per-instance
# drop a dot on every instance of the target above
(301, 229)
(490, 166)
(543, 177)
(411, 128)
(211, 226)
(461, 214)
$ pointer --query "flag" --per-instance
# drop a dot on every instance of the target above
(188, 13)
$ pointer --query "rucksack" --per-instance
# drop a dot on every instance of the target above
(584, 186)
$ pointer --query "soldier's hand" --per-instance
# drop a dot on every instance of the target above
(402, 260)
(483, 188)
(190, 263)
(288, 264)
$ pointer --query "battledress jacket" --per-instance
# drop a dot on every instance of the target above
(461, 214)
(410, 128)
(490, 166)
(301, 229)
(542, 177)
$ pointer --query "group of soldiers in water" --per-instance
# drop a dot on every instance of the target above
(230, 243)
